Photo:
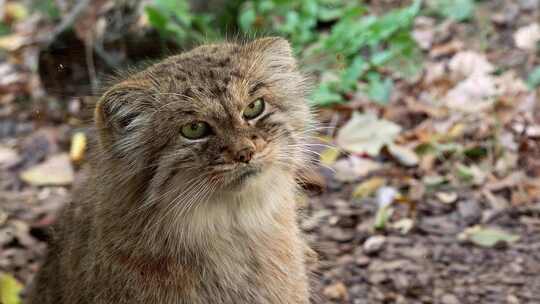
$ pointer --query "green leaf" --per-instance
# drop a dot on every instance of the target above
(434, 180)
(379, 58)
(266, 6)
(325, 96)
(156, 18)
(470, 174)
(488, 237)
(292, 19)
(379, 90)
(534, 78)
(310, 8)
(10, 289)
(464, 173)
(350, 75)
(178, 8)
(459, 10)
(4, 29)
(329, 14)
(476, 152)
(48, 7)
(247, 19)
(382, 216)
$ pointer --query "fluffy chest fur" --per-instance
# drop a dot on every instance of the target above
(252, 253)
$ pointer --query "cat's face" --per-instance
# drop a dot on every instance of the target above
(213, 119)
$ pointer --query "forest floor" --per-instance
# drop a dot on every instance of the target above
(442, 207)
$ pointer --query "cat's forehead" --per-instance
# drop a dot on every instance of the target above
(210, 77)
(205, 65)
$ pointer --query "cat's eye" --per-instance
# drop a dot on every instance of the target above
(195, 130)
(254, 109)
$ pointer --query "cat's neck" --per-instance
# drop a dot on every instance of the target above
(261, 208)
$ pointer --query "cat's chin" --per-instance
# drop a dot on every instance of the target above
(242, 176)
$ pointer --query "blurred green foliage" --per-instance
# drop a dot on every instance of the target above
(297, 20)
(174, 20)
(46, 7)
(534, 78)
(4, 29)
(459, 10)
(348, 47)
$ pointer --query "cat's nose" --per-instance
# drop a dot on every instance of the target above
(244, 155)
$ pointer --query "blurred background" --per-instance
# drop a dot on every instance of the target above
(428, 189)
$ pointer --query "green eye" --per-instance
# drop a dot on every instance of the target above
(195, 130)
(254, 109)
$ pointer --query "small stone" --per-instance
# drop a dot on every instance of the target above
(8, 157)
(401, 282)
(362, 260)
(512, 299)
(338, 234)
(447, 197)
(336, 291)
(449, 299)
(377, 278)
(374, 244)
(469, 211)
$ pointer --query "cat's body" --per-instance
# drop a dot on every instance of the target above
(172, 214)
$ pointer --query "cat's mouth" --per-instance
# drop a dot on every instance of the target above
(240, 175)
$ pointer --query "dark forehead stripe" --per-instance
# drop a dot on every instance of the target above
(224, 62)
(257, 86)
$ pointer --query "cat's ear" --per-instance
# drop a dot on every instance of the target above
(275, 51)
(122, 110)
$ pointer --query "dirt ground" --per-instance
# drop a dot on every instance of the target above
(426, 265)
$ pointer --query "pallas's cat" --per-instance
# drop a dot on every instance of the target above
(190, 195)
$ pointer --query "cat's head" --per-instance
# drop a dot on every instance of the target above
(212, 119)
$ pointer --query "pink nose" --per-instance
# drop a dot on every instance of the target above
(244, 155)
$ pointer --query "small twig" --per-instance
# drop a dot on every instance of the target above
(108, 59)
(90, 64)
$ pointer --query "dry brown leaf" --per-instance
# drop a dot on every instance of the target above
(78, 146)
(352, 168)
(446, 49)
(403, 155)
(13, 42)
(365, 133)
(474, 94)
(55, 171)
(336, 291)
(329, 156)
(424, 32)
(467, 63)
(368, 187)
